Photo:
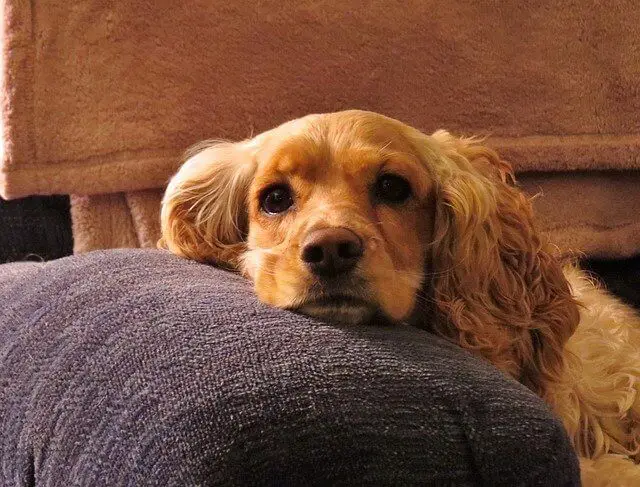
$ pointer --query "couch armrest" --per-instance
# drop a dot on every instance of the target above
(135, 367)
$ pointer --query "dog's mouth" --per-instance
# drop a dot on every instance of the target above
(339, 308)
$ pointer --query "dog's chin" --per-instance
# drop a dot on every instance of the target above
(347, 312)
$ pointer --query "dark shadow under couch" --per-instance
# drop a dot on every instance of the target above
(35, 228)
(138, 368)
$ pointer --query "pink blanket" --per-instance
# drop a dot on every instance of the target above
(102, 97)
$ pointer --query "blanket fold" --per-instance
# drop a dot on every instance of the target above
(606, 224)
(116, 220)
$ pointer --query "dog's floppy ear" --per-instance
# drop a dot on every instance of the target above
(496, 287)
(204, 213)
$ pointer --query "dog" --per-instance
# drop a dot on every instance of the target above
(352, 215)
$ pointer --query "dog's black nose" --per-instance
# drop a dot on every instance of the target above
(331, 251)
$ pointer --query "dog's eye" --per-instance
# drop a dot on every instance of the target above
(391, 188)
(276, 199)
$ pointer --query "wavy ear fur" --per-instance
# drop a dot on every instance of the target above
(204, 212)
(495, 286)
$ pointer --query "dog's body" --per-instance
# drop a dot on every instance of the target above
(598, 394)
(348, 215)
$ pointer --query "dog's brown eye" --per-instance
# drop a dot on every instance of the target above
(276, 199)
(391, 188)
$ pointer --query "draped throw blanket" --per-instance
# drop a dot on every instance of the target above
(101, 98)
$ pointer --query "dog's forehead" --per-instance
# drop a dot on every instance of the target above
(333, 142)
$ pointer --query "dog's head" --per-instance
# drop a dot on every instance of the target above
(350, 214)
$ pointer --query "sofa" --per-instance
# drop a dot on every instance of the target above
(135, 367)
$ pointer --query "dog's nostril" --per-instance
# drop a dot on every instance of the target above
(312, 254)
(349, 250)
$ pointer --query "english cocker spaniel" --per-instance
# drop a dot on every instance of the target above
(350, 215)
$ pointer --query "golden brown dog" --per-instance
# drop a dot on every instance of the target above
(348, 215)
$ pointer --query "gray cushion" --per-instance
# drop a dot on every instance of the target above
(138, 368)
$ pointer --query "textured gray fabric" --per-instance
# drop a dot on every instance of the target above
(137, 368)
